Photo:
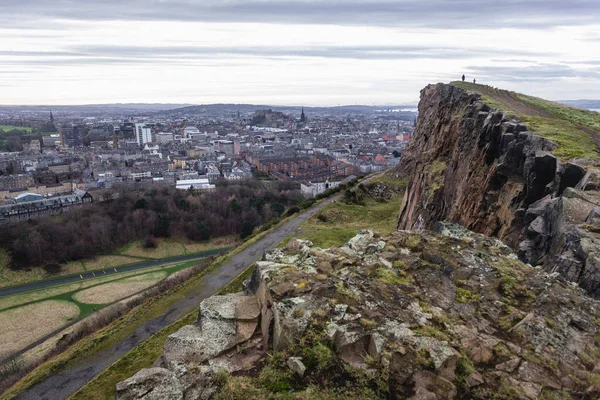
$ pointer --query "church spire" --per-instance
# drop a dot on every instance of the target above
(302, 116)
(51, 117)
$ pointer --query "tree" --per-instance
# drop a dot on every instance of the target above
(52, 268)
(150, 242)
(162, 225)
(235, 206)
(247, 229)
(140, 203)
(396, 154)
(278, 208)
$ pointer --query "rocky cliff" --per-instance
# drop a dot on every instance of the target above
(420, 315)
(483, 168)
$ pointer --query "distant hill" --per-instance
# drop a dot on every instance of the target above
(246, 108)
(91, 109)
(587, 104)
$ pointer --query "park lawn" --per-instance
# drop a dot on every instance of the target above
(40, 294)
(343, 221)
(110, 292)
(10, 277)
(7, 128)
(572, 129)
(19, 327)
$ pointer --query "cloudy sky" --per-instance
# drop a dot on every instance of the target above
(326, 52)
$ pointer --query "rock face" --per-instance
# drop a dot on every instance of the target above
(480, 167)
(419, 315)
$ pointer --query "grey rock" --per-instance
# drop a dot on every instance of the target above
(296, 365)
(150, 384)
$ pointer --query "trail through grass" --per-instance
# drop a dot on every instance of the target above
(576, 131)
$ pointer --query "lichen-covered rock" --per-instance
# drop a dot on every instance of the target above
(223, 322)
(456, 315)
(150, 384)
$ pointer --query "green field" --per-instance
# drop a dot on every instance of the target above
(576, 131)
(7, 128)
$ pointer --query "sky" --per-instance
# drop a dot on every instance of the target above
(299, 52)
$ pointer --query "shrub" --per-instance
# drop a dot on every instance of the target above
(52, 268)
(150, 242)
(291, 211)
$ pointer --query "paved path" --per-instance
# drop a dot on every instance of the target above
(107, 271)
(65, 383)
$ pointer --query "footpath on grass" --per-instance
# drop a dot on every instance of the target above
(62, 384)
(108, 271)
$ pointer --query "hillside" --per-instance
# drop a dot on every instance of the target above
(576, 131)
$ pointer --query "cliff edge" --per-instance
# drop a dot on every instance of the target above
(471, 162)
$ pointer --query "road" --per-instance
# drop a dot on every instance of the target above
(108, 271)
(63, 384)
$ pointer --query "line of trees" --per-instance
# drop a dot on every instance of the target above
(160, 211)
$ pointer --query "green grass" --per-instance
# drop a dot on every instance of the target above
(570, 128)
(343, 221)
(7, 128)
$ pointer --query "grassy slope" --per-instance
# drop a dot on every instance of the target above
(343, 221)
(573, 129)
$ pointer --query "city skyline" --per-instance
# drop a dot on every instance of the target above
(291, 53)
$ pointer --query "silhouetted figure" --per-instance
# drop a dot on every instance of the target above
(463, 77)
(474, 81)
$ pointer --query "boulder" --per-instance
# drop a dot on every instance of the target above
(217, 330)
(150, 384)
(296, 365)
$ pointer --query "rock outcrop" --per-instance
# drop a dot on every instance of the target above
(420, 315)
(480, 167)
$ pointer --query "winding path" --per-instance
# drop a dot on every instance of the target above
(65, 383)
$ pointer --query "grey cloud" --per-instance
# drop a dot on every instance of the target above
(424, 13)
(537, 72)
(182, 55)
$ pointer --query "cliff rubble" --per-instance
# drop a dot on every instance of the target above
(483, 168)
(420, 315)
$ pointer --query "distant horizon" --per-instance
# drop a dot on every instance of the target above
(407, 105)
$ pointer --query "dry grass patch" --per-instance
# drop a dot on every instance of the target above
(110, 262)
(165, 248)
(225, 241)
(19, 327)
(109, 292)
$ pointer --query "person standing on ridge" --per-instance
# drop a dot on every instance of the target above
(474, 81)
(463, 77)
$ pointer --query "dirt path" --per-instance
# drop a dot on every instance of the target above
(65, 383)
